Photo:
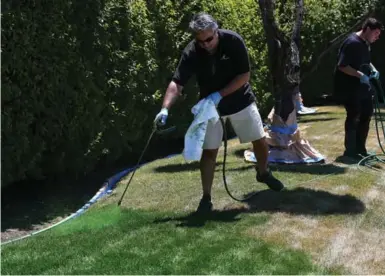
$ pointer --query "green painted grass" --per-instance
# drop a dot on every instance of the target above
(111, 241)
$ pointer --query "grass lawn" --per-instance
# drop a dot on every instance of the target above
(330, 220)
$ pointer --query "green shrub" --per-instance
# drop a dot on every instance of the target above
(82, 81)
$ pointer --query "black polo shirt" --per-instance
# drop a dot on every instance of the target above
(354, 52)
(215, 71)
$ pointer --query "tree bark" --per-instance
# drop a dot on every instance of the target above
(283, 55)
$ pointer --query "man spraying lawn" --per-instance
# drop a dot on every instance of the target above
(220, 61)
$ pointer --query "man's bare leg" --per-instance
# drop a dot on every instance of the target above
(207, 168)
(261, 152)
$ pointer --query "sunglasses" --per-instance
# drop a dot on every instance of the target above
(207, 40)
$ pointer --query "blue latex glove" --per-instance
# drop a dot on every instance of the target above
(365, 79)
(375, 74)
(215, 97)
(161, 117)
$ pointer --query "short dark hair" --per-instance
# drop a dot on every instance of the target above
(372, 24)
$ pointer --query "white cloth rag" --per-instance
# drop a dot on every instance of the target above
(204, 111)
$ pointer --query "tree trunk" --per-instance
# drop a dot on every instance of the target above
(283, 57)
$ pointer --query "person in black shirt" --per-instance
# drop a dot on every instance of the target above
(220, 61)
(352, 85)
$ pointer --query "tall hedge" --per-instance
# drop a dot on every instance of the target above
(82, 80)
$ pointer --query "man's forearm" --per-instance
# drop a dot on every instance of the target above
(172, 93)
(235, 84)
(350, 71)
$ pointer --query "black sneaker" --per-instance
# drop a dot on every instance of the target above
(270, 181)
(363, 154)
(205, 205)
(352, 155)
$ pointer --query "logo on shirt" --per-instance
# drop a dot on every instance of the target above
(224, 57)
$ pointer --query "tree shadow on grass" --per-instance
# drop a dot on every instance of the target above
(315, 168)
(182, 167)
(304, 201)
(300, 201)
(311, 120)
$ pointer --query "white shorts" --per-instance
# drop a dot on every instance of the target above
(247, 125)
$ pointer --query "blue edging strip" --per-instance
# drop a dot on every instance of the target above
(106, 189)
(290, 129)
